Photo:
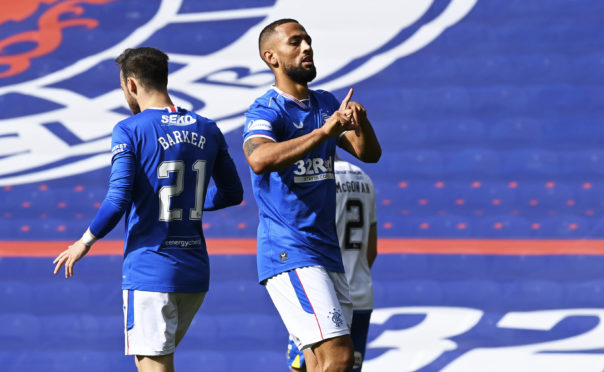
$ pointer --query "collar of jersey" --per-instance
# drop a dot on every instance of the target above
(169, 108)
(292, 98)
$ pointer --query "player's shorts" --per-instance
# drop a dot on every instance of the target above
(313, 303)
(155, 322)
(358, 332)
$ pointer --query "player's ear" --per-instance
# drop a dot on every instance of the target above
(132, 86)
(270, 58)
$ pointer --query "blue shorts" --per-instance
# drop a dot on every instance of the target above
(358, 332)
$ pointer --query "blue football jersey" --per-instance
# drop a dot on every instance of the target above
(176, 152)
(297, 204)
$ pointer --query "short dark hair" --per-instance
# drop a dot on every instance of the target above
(148, 65)
(270, 29)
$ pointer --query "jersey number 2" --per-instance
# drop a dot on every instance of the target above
(167, 192)
(356, 223)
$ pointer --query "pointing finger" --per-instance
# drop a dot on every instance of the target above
(346, 100)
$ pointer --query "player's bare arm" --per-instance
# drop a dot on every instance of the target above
(73, 254)
(362, 142)
(264, 155)
(372, 244)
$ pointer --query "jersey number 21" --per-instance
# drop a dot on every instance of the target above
(167, 192)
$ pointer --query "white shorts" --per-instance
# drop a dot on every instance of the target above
(314, 304)
(155, 322)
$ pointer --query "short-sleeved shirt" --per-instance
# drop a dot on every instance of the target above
(355, 213)
(175, 151)
(297, 204)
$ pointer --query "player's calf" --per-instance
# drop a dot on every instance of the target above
(335, 354)
(158, 363)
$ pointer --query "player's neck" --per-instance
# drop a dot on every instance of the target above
(154, 99)
(300, 91)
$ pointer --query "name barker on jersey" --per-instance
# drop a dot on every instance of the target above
(180, 136)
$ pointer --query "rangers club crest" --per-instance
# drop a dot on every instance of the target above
(336, 317)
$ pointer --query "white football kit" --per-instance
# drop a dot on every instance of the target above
(355, 213)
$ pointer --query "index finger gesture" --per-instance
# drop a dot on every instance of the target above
(344, 104)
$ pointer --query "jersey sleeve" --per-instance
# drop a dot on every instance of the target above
(121, 181)
(260, 121)
(228, 189)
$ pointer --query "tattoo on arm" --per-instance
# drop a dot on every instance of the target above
(250, 146)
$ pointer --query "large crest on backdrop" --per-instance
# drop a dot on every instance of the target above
(59, 86)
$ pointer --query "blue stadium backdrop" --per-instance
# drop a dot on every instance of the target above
(490, 188)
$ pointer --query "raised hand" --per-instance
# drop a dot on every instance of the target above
(364, 146)
(346, 100)
(359, 116)
(341, 120)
